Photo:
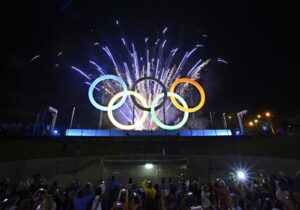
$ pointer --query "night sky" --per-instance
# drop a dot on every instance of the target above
(259, 41)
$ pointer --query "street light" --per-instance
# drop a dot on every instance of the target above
(268, 115)
(224, 119)
(240, 115)
(258, 116)
(250, 123)
(256, 120)
(229, 117)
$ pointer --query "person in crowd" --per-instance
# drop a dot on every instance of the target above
(205, 198)
(285, 196)
(172, 186)
(69, 195)
(149, 195)
(234, 202)
(112, 190)
(181, 193)
(163, 184)
(43, 201)
(223, 195)
(129, 185)
(170, 202)
(122, 202)
(97, 201)
(83, 197)
(135, 201)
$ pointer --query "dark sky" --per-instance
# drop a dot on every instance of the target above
(259, 39)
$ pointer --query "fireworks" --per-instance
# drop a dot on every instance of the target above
(34, 58)
(157, 61)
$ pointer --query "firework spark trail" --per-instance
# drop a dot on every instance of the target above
(165, 30)
(194, 67)
(157, 61)
(97, 66)
(34, 58)
(128, 75)
(113, 60)
(222, 60)
(136, 62)
(88, 83)
(124, 115)
(81, 72)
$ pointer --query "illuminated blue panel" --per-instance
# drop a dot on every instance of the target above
(159, 133)
(91, 132)
(223, 132)
(197, 133)
(138, 133)
(172, 132)
(185, 133)
(88, 132)
(117, 133)
(73, 132)
(103, 133)
(210, 132)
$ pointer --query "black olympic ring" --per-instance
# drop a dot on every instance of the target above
(164, 90)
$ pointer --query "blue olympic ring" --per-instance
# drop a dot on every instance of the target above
(105, 77)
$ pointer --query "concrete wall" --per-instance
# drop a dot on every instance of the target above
(65, 170)
(38, 148)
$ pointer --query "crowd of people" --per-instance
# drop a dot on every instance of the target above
(260, 192)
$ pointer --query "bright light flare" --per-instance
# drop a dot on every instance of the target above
(241, 175)
(149, 166)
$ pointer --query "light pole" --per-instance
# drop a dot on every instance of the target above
(240, 116)
(54, 113)
(36, 122)
(268, 115)
(72, 117)
(224, 120)
(101, 113)
(211, 119)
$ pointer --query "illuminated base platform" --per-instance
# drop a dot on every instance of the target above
(113, 133)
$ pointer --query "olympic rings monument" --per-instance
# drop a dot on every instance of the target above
(165, 129)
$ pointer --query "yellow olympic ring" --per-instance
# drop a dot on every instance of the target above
(122, 126)
(197, 85)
